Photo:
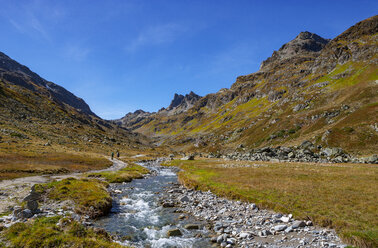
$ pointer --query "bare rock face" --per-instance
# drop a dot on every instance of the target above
(181, 103)
(304, 43)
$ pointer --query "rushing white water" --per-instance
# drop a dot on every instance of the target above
(138, 218)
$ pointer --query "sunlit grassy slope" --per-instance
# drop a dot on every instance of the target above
(329, 98)
(341, 196)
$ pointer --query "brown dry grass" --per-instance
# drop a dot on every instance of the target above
(13, 165)
(342, 196)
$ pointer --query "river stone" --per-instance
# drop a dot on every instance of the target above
(280, 228)
(185, 199)
(264, 233)
(289, 229)
(244, 235)
(192, 226)
(174, 232)
(309, 223)
(220, 239)
(277, 216)
(25, 214)
(231, 241)
(168, 205)
(16, 211)
(298, 223)
(213, 239)
(32, 205)
(33, 196)
(181, 217)
(290, 155)
(285, 219)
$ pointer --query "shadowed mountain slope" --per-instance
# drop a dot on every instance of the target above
(35, 112)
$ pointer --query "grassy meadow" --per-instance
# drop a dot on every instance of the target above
(340, 196)
(21, 164)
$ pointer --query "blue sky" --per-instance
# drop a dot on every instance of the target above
(120, 56)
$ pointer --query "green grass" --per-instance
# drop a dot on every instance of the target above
(341, 196)
(127, 174)
(90, 196)
(44, 232)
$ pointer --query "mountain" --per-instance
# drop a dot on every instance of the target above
(11, 72)
(135, 120)
(311, 89)
(305, 44)
(180, 104)
(34, 111)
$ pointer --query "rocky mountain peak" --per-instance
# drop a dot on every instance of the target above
(177, 100)
(183, 101)
(305, 42)
(139, 111)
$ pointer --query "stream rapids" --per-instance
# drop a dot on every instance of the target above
(139, 220)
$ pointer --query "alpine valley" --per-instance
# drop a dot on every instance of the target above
(285, 157)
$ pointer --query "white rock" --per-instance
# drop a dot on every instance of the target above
(285, 219)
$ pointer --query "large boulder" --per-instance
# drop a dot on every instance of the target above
(174, 232)
(32, 206)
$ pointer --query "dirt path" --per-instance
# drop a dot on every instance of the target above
(13, 191)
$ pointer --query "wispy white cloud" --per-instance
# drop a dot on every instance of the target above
(33, 18)
(36, 25)
(76, 52)
(156, 35)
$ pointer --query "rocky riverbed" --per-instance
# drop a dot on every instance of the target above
(242, 224)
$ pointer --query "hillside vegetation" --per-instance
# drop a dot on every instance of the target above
(312, 89)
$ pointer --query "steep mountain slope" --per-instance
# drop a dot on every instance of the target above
(14, 73)
(37, 115)
(312, 89)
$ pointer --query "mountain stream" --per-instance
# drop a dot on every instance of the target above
(140, 221)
